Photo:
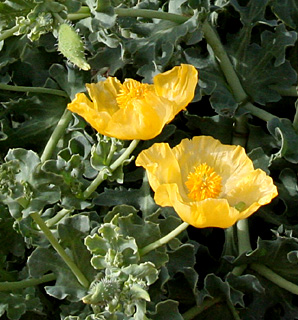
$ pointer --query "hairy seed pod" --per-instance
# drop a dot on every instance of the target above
(71, 46)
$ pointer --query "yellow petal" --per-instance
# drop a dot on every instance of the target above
(202, 214)
(104, 93)
(141, 119)
(255, 189)
(177, 85)
(85, 108)
(160, 164)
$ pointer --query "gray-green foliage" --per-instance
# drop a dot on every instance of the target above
(105, 232)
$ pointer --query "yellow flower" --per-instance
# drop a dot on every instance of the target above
(135, 110)
(207, 183)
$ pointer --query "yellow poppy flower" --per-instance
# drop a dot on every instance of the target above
(135, 110)
(207, 183)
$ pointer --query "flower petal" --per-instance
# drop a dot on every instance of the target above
(177, 85)
(103, 94)
(160, 164)
(85, 108)
(201, 214)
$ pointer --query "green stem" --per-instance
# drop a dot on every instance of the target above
(213, 40)
(60, 215)
(260, 113)
(275, 278)
(33, 89)
(233, 310)
(128, 12)
(295, 121)
(290, 92)
(194, 311)
(8, 33)
(231, 76)
(17, 285)
(101, 175)
(164, 239)
(56, 135)
(56, 245)
(151, 14)
(243, 236)
(240, 131)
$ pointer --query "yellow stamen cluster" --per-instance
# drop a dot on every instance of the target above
(131, 89)
(203, 183)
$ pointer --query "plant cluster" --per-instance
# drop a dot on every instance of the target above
(149, 156)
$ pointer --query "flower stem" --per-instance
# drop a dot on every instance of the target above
(295, 121)
(243, 236)
(16, 285)
(8, 33)
(33, 89)
(101, 175)
(194, 311)
(56, 245)
(275, 278)
(160, 242)
(56, 135)
(231, 76)
(60, 215)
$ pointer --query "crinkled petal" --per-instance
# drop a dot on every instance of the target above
(141, 119)
(254, 190)
(160, 164)
(177, 85)
(201, 214)
(85, 108)
(104, 93)
(227, 160)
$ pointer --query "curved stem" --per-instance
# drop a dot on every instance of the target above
(33, 89)
(224, 61)
(8, 33)
(275, 278)
(101, 175)
(260, 113)
(60, 215)
(16, 285)
(194, 311)
(232, 310)
(160, 242)
(56, 135)
(56, 245)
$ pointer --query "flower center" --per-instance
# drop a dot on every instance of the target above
(131, 90)
(203, 183)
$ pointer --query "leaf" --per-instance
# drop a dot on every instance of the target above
(261, 64)
(260, 159)
(17, 304)
(165, 310)
(212, 82)
(43, 260)
(287, 11)
(71, 80)
(37, 117)
(285, 134)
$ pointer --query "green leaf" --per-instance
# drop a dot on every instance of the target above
(260, 159)
(17, 304)
(287, 138)
(263, 65)
(165, 310)
(212, 82)
(287, 11)
(27, 188)
(43, 260)
(36, 117)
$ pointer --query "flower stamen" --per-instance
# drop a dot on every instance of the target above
(203, 183)
(131, 89)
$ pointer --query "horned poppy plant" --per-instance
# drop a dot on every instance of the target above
(135, 110)
(209, 184)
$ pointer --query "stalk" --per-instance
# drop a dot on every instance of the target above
(17, 285)
(33, 89)
(275, 278)
(101, 175)
(56, 135)
(194, 311)
(8, 33)
(160, 242)
(56, 245)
